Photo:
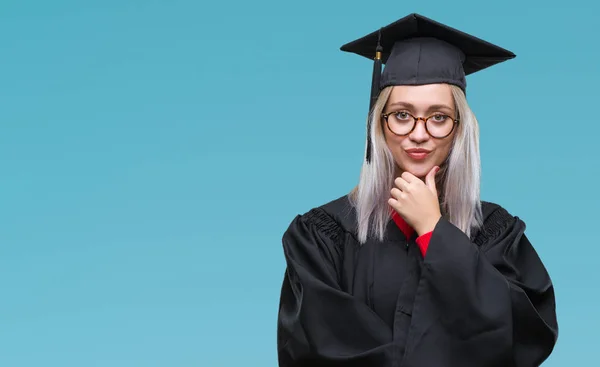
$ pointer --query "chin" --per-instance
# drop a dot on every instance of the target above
(420, 169)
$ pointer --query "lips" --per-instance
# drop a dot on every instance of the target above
(417, 153)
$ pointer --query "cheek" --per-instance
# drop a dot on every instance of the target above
(442, 151)
(394, 143)
(444, 148)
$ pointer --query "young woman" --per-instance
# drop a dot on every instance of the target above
(411, 268)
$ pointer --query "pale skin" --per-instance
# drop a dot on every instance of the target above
(414, 195)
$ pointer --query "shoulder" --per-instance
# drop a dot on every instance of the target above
(494, 212)
(322, 232)
(333, 219)
(497, 222)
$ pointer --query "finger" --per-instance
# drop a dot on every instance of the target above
(397, 194)
(408, 177)
(401, 183)
(395, 204)
(430, 179)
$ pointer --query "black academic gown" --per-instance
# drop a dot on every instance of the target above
(470, 302)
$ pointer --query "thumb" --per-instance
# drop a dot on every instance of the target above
(430, 179)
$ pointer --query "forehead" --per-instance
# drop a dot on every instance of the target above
(422, 96)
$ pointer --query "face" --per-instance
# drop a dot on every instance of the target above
(418, 152)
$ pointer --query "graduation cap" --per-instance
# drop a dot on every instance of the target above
(417, 50)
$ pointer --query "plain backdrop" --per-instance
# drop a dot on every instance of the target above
(153, 152)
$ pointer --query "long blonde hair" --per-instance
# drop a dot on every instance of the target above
(458, 180)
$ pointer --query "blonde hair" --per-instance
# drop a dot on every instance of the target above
(458, 180)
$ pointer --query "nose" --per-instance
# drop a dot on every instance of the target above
(419, 133)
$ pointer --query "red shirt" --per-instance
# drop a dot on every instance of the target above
(422, 241)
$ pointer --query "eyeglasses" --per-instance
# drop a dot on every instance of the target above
(402, 123)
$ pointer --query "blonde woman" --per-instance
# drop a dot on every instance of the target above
(411, 268)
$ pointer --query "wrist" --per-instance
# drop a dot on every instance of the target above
(428, 226)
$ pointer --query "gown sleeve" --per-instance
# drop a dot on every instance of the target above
(318, 323)
(489, 302)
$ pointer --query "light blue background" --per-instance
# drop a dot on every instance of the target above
(153, 152)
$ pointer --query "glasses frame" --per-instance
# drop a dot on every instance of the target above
(454, 123)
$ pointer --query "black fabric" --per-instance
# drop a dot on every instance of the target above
(486, 301)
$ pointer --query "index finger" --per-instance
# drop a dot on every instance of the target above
(408, 177)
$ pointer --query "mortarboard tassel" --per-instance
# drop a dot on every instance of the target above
(374, 91)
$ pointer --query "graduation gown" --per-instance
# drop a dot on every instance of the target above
(481, 301)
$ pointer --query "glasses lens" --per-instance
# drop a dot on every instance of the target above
(439, 125)
(400, 123)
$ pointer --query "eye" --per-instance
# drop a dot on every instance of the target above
(439, 117)
(402, 115)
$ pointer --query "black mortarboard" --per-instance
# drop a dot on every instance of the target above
(417, 50)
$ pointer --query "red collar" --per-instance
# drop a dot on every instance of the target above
(404, 227)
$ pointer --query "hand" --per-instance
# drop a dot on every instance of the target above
(417, 201)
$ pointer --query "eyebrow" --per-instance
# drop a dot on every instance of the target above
(431, 108)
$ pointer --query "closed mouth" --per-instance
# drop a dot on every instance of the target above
(417, 150)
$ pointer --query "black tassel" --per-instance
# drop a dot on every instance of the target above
(374, 91)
